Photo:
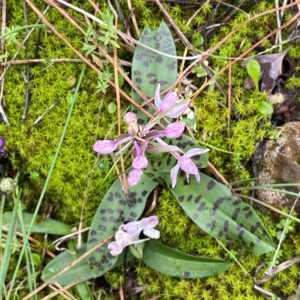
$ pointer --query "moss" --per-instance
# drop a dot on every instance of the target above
(32, 147)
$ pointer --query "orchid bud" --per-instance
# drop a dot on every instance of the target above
(104, 147)
(174, 130)
(133, 129)
(7, 185)
(130, 117)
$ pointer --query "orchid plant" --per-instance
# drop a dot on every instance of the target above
(147, 139)
(163, 155)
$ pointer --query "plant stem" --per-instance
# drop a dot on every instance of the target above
(48, 176)
(1, 221)
(8, 246)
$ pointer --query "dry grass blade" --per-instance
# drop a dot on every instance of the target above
(88, 62)
(72, 264)
(278, 269)
(61, 291)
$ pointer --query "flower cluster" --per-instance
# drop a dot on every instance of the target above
(2, 144)
(128, 234)
(142, 138)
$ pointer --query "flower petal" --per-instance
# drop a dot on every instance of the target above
(195, 151)
(174, 130)
(173, 175)
(168, 102)
(150, 222)
(157, 99)
(178, 109)
(140, 162)
(197, 176)
(104, 147)
(133, 229)
(188, 166)
(152, 233)
(115, 248)
(134, 176)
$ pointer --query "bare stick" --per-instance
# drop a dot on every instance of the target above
(69, 266)
(61, 290)
(40, 61)
(132, 15)
(45, 112)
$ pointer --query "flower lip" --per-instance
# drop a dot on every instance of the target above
(140, 162)
(134, 176)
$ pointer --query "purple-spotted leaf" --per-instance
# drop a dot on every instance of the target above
(115, 209)
(175, 263)
(81, 271)
(149, 68)
(215, 210)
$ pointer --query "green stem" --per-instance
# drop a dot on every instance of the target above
(9, 241)
(1, 221)
(17, 29)
(58, 148)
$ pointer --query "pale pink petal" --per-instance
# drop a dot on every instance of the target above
(197, 176)
(195, 151)
(177, 110)
(173, 174)
(168, 102)
(188, 166)
(134, 176)
(133, 229)
(157, 99)
(115, 248)
(104, 147)
(152, 233)
(150, 222)
(174, 130)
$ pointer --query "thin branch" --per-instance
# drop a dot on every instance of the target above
(69, 266)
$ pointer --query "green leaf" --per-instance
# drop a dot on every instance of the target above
(178, 264)
(253, 69)
(215, 210)
(41, 225)
(115, 209)
(265, 108)
(84, 291)
(81, 270)
(149, 68)
(198, 42)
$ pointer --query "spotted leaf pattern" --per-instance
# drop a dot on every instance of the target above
(215, 210)
(115, 209)
(149, 68)
(80, 270)
(175, 263)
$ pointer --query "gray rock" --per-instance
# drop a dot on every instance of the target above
(281, 164)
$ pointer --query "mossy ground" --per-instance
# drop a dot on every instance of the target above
(31, 147)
